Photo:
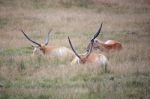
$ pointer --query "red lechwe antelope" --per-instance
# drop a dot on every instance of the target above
(89, 57)
(109, 45)
(56, 51)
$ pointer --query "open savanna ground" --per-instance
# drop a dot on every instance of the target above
(23, 76)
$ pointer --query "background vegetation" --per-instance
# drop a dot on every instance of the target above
(25, 77)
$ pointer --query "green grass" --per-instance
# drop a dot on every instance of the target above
(3, 22)
(96, 86)
(16, 52)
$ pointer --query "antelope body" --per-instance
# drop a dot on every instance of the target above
(93, 58)
(109, 45)
(56, 51)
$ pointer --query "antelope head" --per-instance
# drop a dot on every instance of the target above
(95, 41)
(37, 45)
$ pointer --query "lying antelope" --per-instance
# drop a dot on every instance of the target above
(36, 47)
(88, 57)
(60, 52)
(109, 45)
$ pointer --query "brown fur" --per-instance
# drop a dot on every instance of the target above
(114, 45)
(47, 49)
(91, 58)
(110, 45)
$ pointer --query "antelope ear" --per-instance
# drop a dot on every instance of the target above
(47, 37)
(34, 46)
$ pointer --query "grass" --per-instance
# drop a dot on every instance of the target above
(16, 52)
(23, 76)
(87, 86)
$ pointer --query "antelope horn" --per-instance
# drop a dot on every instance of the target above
(47, 37)
(73, 48)
(92, 40)
(30, 39)
(97, 33)
(89, 52)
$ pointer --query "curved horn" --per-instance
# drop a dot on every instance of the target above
(73, 48)
(92, 40)
(89, 52)
(47, 37)
(30, 39)
(97, 33)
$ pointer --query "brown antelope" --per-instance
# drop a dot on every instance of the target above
(36, 47)
(109, 45)
(88, 57)
(60, 52)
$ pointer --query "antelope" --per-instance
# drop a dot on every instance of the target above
(109, 45)
(36, 47)
(56, 51)
(88, 57)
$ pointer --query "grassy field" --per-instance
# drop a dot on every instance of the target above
(25, 77)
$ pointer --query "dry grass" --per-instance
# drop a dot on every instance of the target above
(24, 76)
